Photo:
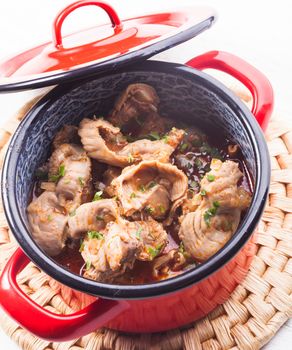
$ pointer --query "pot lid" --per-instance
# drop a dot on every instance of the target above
(107, 46)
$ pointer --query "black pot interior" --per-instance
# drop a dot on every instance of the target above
(185, 94)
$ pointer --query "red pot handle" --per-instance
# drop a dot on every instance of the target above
(253, 79)
(43, 323)
(57, 25)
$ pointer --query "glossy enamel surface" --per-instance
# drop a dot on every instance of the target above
(171, 303)
(101, 48)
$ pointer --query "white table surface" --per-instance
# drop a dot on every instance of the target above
(258, 31)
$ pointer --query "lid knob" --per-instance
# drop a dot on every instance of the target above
(58, 22)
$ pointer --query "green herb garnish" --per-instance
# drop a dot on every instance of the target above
(149, 209)
(165, 138)
(72, 213)
(161, 208)
(203, 192)
(133, 195)
(81, 181)
(88, 265)
(130, 158)
(211, 212)
(210, 177)
(142, 188)
(50, 218)
(151, 184)
(94, 234)
(97, 196)
(194, 184)
(181, 248)
(183, 147)
(99, 218)
(81, 246)
(138, 233)
(61, 173)
(153, 252)
(154, 135)
(198, 163)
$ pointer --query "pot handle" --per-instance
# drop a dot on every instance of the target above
(253, 79)
(43, 323)
(58, 22)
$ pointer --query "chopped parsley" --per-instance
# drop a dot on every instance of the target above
(203, 192)
(94, 234)
(154, 135)
(161, 208)
(99, 218)
(181, 248)
(130, 158)
(149, 209)
(61, 173)
(72, 213)
(97, 196)
(133, 195)
(142, 188)
(198, 163)
(153, 252)
(151, 184)
(165, 138)
(50, 218)
(138, 233)
(81, 246)
(211, 212)
(183, 147)
(210, 177)
(194, 184)
(81, 181)
(88, 265)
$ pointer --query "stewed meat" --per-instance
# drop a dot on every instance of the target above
(48, 222)
(136, 101)
(70, 167)
(152, 186)
(104, 142)
(92, 216)
(110, 252)
(216, 218)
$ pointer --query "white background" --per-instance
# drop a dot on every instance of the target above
(258, 31)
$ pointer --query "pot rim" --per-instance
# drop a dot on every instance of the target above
(186, 279)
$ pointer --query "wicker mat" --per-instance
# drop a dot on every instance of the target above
(248, 320)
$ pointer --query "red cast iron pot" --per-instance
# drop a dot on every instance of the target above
(194, 97)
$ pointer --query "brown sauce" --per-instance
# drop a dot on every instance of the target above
(193, 156)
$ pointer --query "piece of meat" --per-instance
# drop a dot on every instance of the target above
(108, 176)
(104, 142)
(165, 264)
(136, 101)
(160, 150)
(217, 214)
(150, 185)
(74, 185)
(224, 187)
(94, 137)
(68, 134)
(48, 221)
(112, 253)
(92, 216)
(153, 238)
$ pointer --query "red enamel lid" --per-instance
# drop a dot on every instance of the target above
(107, 46)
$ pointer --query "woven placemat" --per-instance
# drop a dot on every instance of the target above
(248, 320)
